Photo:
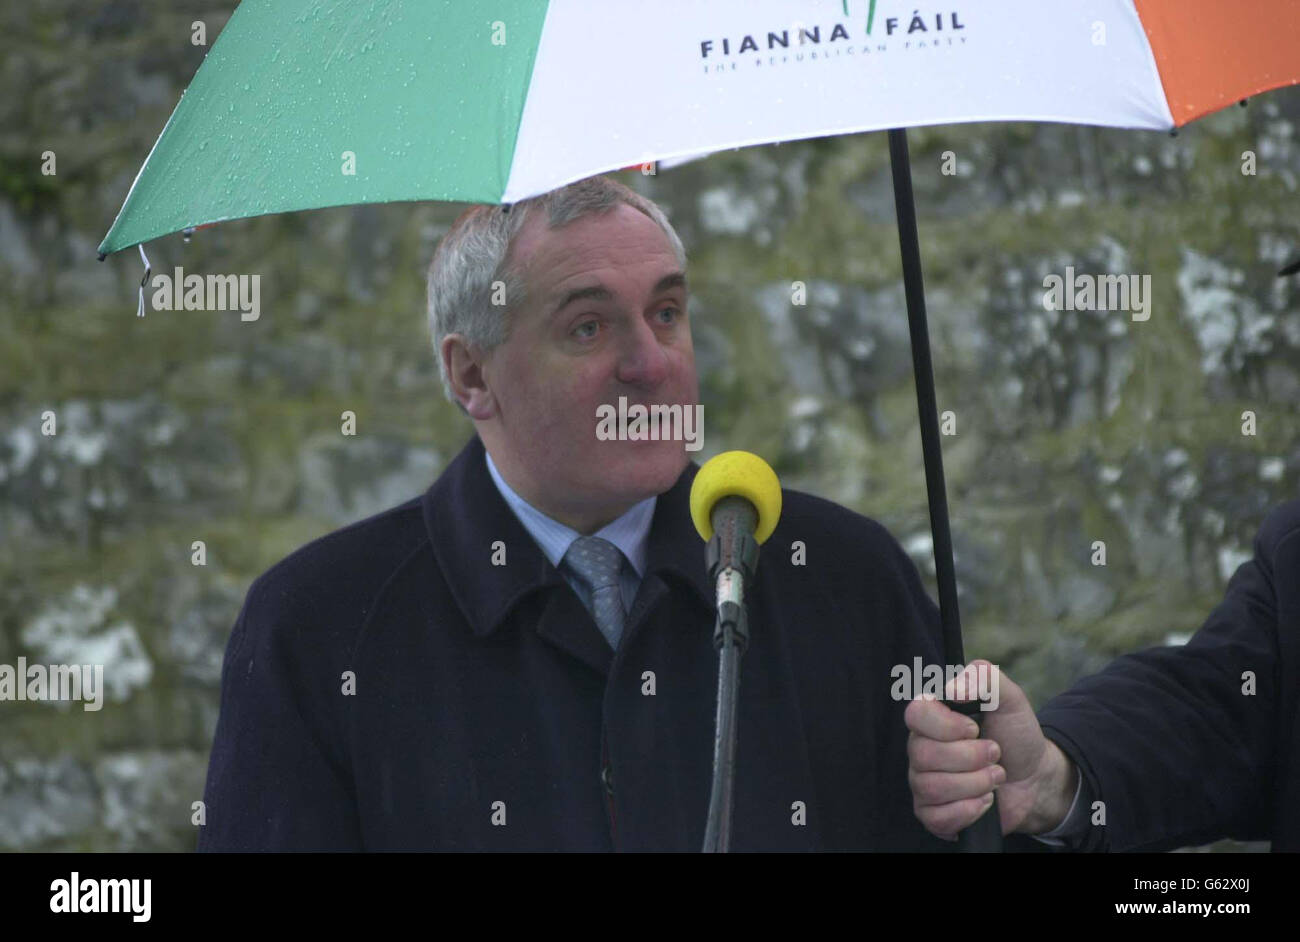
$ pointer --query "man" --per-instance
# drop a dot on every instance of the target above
(1165, 748)
(521, 658)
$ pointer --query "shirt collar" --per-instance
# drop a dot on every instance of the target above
(629, 531)
(466, 519)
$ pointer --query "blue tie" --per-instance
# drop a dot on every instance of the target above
(597, 564)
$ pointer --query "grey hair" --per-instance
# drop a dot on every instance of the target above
(474, 255)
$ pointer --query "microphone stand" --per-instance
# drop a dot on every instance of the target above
(732, 558)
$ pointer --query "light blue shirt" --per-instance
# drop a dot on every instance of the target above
(629, 533)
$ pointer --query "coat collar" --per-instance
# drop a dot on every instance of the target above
(465, 515)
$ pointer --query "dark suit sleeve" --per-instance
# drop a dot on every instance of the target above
(275, 780)
(1172, 740)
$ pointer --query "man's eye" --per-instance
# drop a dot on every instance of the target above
(592, 324)
(675, 312)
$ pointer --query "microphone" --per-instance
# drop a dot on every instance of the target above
(735, 504)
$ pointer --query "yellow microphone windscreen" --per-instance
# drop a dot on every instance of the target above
(742, 474)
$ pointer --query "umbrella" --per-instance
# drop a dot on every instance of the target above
(303, 104)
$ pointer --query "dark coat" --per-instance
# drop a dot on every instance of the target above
(1171, 744)
(485, 693)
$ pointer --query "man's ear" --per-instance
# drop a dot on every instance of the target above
(464, 366)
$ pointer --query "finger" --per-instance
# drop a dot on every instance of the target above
(941, 788)
(947, 821)
(975, 682)
(930, 755)
(933, 720)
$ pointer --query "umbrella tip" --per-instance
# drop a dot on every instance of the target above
(102, 256)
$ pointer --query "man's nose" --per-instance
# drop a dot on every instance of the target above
(642, 359)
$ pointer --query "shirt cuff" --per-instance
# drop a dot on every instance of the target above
(1069, 824)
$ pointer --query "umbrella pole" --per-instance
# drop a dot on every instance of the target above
(985, 835)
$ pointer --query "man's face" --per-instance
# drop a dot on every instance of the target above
(622, 332)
